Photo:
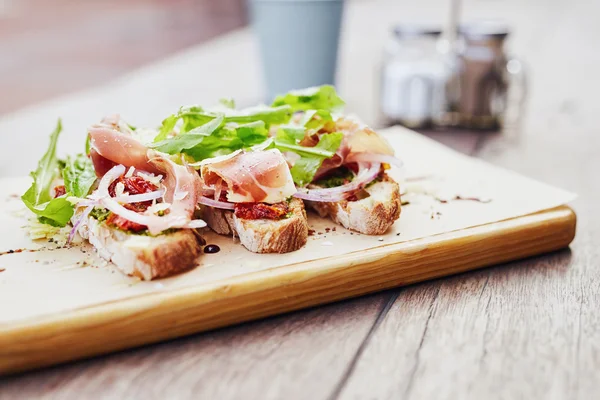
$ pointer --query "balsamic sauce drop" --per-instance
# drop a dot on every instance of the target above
(212, 248)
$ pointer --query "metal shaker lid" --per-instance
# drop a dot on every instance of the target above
(415, 30)
(484, 29)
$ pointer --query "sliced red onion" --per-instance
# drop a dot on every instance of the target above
(332, 198)
(112, 175)
(83, 216)
(371, 157)
(366, 174)
(215, 203)
(112, 205)
(137, 198)
(155, 224)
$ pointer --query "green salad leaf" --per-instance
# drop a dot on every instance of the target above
(229, 138)
(316, 119)
(311, 158)
(79, 175)
(37, 198)
(57, 212)
(192, 117)
(188, 140)
(269, 115)
(316, 98)
(289, 136)
(88, 144)
(196, 116)
(215, 138)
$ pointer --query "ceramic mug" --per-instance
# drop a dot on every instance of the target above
(298, 42)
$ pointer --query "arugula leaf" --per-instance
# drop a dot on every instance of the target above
(269, 115)
(215, 138)
(306, 167)
(291, 133)
(46, 171)
(252, 133)
(190, 139)
(79, 175)
(296, 148)
(317, 119)
(315, 98)
(311, 158)
(88, 144)
(196, 116)
(56, 212)
(229, 138)
(192, 117)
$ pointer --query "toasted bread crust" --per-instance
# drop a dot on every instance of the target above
(372, 215)
(263, 235)
(147, 257)
(220, 221)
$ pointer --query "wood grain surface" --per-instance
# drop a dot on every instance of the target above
(528, 329)
(155, 317)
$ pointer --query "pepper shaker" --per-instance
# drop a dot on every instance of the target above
(485, 76)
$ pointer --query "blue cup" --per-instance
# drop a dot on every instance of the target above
(298, 41)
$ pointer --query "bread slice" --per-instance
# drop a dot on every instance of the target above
(262, 235)
(147, 257)
(372, 215)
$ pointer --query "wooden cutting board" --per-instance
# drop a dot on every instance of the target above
(60, 304)
(149, 318)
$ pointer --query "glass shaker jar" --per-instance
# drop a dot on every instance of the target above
(414, 77)
(485, 76)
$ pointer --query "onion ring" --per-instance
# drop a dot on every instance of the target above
(215, 203)
(366, 174)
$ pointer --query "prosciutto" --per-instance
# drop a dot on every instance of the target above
(251, 177)
(358, 138)
(182, 184)
(113, 149)
(110, 147)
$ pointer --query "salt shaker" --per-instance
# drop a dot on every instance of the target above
(414, 77)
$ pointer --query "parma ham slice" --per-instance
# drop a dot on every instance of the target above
(110, 147)
(358, 138)
(252, 177)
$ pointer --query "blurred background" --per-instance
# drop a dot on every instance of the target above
(145, 58)
(52, 47)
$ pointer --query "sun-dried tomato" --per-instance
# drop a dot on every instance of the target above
(261, 210)
(124, 224)
(59, 191)
(133, 185)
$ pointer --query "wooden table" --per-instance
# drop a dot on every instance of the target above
(53, 47)
(529, 329)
